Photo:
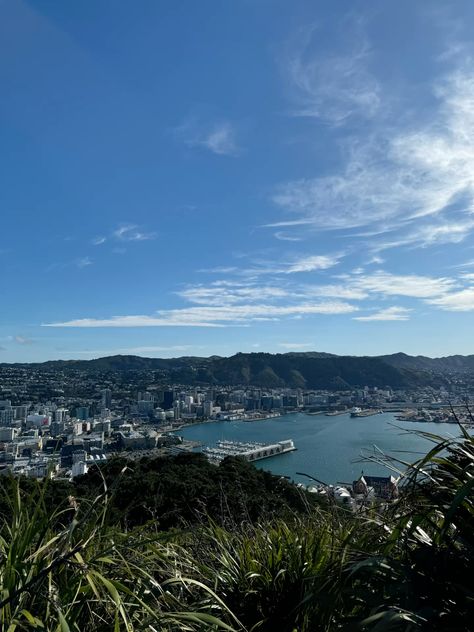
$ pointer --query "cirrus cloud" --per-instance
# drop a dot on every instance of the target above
(389, 313)
(414, 182)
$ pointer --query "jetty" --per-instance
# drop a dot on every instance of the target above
(249, 451)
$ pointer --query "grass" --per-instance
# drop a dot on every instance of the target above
(72, 571)
(403, 567)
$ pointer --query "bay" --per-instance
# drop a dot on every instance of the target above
(331, 449)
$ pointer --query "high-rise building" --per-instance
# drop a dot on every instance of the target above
(59, 415)
(82, 412)
(168, 399)
(145, 396)
(207, 408)
(145, 407)
(106, 397)
(6, 416)
(21, 412)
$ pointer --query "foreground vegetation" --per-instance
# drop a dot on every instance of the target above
(178, 544)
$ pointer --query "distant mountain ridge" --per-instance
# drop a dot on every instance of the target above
(448, 364)
(294, 369)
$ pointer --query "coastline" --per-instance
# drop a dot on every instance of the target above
(201, 422)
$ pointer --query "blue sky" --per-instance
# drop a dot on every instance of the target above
(197, 178)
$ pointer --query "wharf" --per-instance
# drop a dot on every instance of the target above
(249, 451)
(368, 412)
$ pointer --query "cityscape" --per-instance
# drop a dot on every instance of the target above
(236, 351)
(57, 422)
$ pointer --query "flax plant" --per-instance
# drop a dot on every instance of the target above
(421, 577)
(70, 571)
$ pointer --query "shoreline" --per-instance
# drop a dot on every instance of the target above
(213, 421)
(183, 426)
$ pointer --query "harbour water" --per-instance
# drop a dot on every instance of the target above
(331, 449)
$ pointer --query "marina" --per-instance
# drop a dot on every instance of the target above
(330, 448)
(250, 451)
(367, 412)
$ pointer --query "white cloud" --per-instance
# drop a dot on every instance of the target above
(357, 285)
(23, 340)
(220, 137)
(307, 263)
(282, 236)
(289, 265)
(97, 241)
(347, 292)
(410, 285)
(213, 316)
(230, 293)
(462, 301)
(134, 350)
(389, 313)
(295, 345)
(314, 262)
(84, 262)
(131, 232)
(466, 264)
(377, 260)
(332, 86)
(127, 321)
(452, 232)
(233, 292)
(401, 179)
(221, 140)
(124, 233)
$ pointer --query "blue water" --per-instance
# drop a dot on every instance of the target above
(331, 449)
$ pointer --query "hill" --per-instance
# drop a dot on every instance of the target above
(449, 364)
(294, 370)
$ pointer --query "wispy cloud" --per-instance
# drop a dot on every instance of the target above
(311, 263)
(295, 345)
(131, 321)
(462, 301)
(213, 316)
(22, 340)
(375, 260)
(83, 262)
(132, 232)
(331, 85)
(290, 264)
(230, 293)
(356, 286)
(218, 137)
(97, 241)
(135, 350)
(388, 313)
(416, 183)
(243, 302)
(123, 233)
(449, 232)
(221, 140)
(282, 236)
(410, 285)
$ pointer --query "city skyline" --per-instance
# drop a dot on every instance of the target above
(201, 178)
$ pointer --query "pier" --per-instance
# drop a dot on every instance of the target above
(249, 451)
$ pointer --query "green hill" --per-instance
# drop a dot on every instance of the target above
(293, 370)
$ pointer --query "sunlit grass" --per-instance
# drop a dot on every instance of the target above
(404, 566)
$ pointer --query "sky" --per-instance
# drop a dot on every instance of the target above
(198, 178)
